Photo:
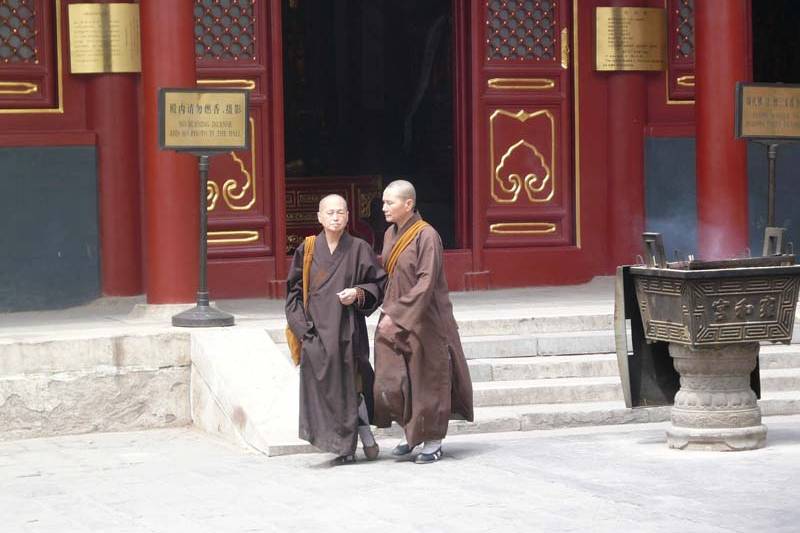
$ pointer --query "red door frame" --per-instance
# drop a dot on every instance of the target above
(458, 262)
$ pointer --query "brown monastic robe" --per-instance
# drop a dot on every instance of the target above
(421, 379)
(335, 349)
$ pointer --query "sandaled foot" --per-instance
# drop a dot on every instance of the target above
(402, 449)
(343, 460)
(425, 458)
(371, 452)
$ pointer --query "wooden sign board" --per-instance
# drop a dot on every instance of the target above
(767, 111)
(104, 38)
(203, 120)
(630, 38)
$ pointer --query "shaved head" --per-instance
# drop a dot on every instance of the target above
(404, 189)
(333, 201)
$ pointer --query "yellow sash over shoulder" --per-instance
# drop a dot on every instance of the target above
(291, 339)
(402, 243)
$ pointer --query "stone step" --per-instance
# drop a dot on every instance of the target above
(497, 419)
(600, 365)
(570, 343)
(527, 417)
(780, 379)
(541, 391)
(779, 356)
(509, 325)
(535, 325)
(504, 346)
(554, 366)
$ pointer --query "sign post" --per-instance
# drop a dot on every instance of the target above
(204, 123)
(768, 113)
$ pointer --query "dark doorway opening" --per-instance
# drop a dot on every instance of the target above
(368, 94)
(775, 37)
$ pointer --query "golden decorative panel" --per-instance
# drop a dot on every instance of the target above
(232, 237)
(534, 84)
(523, 155)
(18, 87)
(522, 228)
(245, 198)
(228, 84)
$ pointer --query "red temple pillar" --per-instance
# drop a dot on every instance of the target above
(171, 179)
(627, 114)
(113, 115)
(721, 51)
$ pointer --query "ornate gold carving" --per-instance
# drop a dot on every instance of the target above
(232, 237)
(685, 81)
(229, 186)
(212, 195)
(59, 75)
(533, 84)
(565, 48)
(18, 87)
(232, 84)
(513, 183)
(365, 204)
(522, 228)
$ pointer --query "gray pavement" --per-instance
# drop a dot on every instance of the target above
(619, 478)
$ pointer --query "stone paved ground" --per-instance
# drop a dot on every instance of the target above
(593, 479)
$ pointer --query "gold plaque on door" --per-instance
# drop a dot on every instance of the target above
(630, 38)
(104, 38)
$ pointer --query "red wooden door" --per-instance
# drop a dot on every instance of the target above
(237, 45)
(523, 177)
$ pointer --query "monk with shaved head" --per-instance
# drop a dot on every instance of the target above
(345, 284)
(421, 375)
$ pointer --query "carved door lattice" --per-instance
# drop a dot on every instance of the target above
(683, 47)
(29, 37)
(680, 69)
(521, 30)
(18, 31)
(225, 30)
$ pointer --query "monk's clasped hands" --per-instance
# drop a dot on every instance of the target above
(347, 296)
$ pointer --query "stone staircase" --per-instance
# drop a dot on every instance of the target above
(550, 372)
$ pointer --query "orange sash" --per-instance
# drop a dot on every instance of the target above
(402, 243)
(294, 343)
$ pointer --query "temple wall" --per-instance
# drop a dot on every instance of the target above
(49, 246)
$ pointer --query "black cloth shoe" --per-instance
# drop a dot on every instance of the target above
(402, 449)
(425, 458)
(344, 460)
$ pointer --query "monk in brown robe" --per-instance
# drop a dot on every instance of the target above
(345, 285)
(422, 379)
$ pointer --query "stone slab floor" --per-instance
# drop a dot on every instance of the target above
(592, 479)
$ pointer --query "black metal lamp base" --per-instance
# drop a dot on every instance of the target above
(202, 316)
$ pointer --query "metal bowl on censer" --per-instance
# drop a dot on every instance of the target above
(713, 315)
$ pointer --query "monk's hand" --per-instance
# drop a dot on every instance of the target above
(347, 296)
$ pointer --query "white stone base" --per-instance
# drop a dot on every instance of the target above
(717, 439)
(715, 408)
(246, 389)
